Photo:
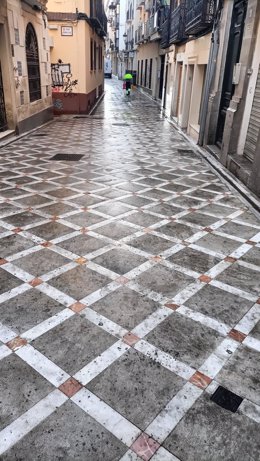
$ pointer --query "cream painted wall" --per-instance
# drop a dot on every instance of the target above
(75, 50)
(250, 95)
(68, 6)
(17, 16)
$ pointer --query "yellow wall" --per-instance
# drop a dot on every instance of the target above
(75, 50)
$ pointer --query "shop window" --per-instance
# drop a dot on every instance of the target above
(32, 57)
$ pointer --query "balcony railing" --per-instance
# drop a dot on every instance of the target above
(177, 24)
(199, 16)
(165, 34)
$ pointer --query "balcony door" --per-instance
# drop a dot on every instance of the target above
(3, 121)
(233, 55)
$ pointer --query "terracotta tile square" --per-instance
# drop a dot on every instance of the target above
(205, 278)
(172, 306)
(122, 280)
(70, 387)
(3, 261)
(81, 260)
(208, 229)
(237, 335)
(200, 380)
(229, 259)
(130, 339)
(250, 242)
(46, 244)
(16, 343)
(17, 230)
(258, 301)
(78, 307)
(156, 258)
(35, 282)
(145, 447)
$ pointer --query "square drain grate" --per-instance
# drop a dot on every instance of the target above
(67, 157)
(226, 399)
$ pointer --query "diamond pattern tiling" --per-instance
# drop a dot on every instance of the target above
(129, 292)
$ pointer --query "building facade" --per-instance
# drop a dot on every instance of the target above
(77, 29)
(25, 82)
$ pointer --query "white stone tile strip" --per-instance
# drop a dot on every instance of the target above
(100, 363)
(54, 374)
(250, 319)
(233, 290)
(58, 271)
(14, 292)
(56, 294)
(152, 321)
(130, 456)
(214, 363)
(119, 426)
(163, 455)
(253, 343)
(6, 334)
(101, 293)
(104, 323)
(47, 325)
(157, 297)
(24, 253)
(253, 267)
(218, 268)
(17, 272)
(241, 251)
(174, 411)
(29, 420)
(220, 327)
(166, 360)
(250, 409)
(188, 292)
(4, 351)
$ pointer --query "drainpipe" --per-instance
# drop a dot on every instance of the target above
(210, 70)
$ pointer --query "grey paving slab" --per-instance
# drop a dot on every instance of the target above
(136, 387)
(14, 244)
(21, 387)
(219, 304)
(8, 281)
(79, 282)
(90, 441)
(242, 277)
(27, 310)
(241, 374)
(151, 244)
(82, 244)
(119, 260)
(41, 262)
(186, 340)
(220, 244)
(125, 307)
(164, 280)
(74, 343)
(210, 433)
(195, 260)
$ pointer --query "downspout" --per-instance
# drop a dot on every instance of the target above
(210, 70)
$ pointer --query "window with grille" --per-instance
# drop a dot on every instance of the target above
(16, 37)
(19, 68)
(32, 57)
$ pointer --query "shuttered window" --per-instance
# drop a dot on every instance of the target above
(254, 123)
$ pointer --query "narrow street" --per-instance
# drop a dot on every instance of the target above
(129, 295)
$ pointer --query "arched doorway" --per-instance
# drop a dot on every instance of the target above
(32, 57)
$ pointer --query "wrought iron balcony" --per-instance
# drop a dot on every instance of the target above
(199, 16)
(177, 24)
(139, 4)
(165, 34)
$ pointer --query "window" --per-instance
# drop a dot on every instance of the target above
(45, 67)
(32, 57)
(47, 90)
(16, 37)
(19, 68)
(141, 74)
(21, 98)
(44, 43)
(150, 74)
(145, 72)
(91, 55)
(95, 55)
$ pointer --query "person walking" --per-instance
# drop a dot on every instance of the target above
(128, 78)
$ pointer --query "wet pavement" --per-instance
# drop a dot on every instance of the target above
(129, 296)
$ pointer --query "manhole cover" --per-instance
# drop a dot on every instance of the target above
(67, 157)
(120, 124)
(226, 399)
(39, 134)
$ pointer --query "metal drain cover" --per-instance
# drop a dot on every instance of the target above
(67, 157)
(39, 134)
(226, 399)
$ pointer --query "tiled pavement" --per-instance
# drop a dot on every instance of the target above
(129, 292)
